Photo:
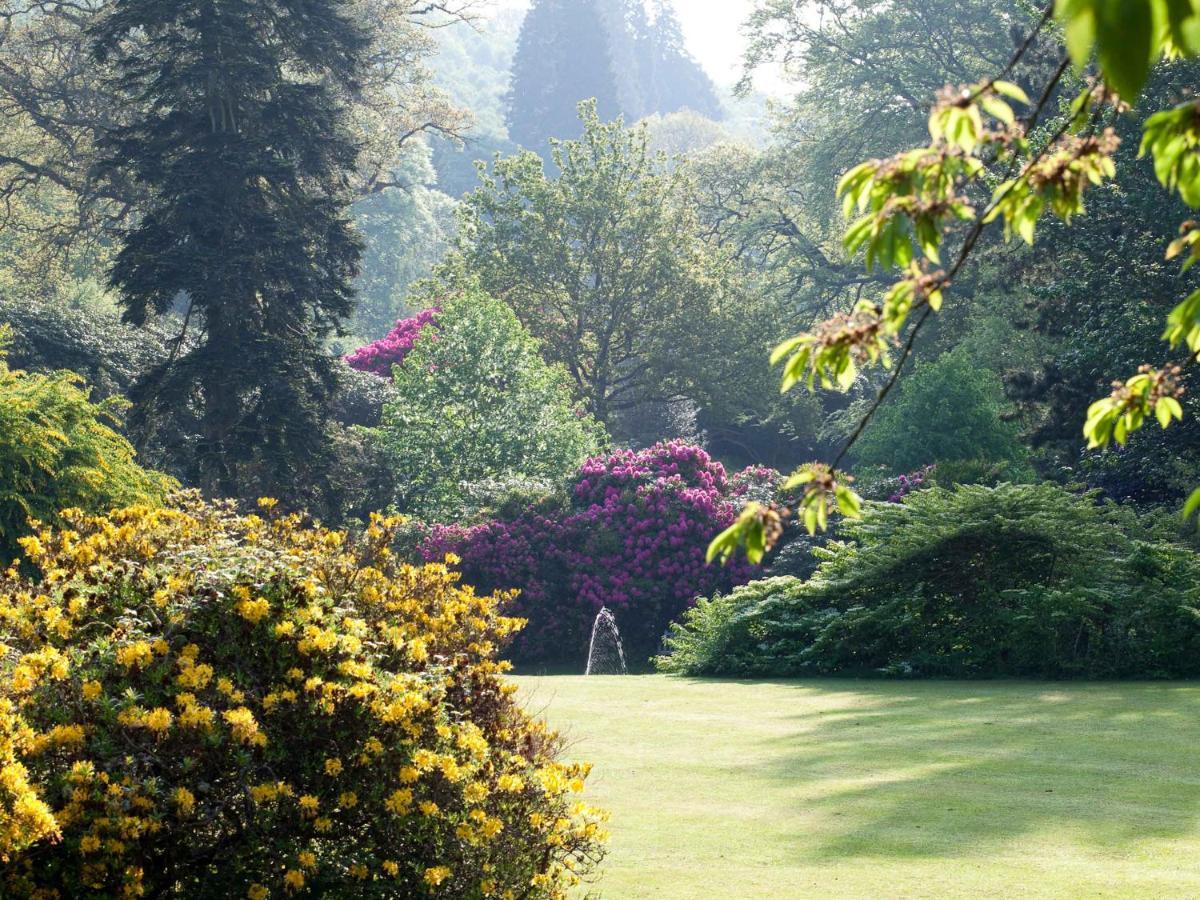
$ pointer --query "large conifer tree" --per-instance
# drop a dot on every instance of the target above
(242, 148)
(673, 79)
(628, 54)
(562, 58)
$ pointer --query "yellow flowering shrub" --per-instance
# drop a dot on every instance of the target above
(197, 703)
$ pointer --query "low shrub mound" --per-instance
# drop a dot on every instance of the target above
(197, 704)
(632, 538)
(971, 582)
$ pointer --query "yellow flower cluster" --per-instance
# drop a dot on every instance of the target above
(172, 667)
(24, 818)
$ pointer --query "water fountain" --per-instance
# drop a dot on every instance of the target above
(606, 656)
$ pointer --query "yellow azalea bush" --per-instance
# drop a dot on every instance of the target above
(199, 703)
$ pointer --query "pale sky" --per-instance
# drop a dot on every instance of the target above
(714, 36)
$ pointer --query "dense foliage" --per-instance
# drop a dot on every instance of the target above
(976, 581)
(200, 704)
(243, 151)
(630, 537)
(607, 265)
(58, 449)
(475, 402)
(947, 410)
(997, 152)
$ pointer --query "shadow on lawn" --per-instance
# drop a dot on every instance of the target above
(922, 769)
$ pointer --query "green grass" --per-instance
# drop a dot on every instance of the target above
(735, 789)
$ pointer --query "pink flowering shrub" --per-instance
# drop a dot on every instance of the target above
(633, 538)
(913, 481)
(380, 356)
(758, 483)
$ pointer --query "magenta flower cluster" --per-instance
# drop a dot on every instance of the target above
(380, 356)
(632, 539)
(906, 484)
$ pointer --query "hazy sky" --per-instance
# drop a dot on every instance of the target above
(713, 30)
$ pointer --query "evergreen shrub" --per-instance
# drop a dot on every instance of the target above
(1016, 580)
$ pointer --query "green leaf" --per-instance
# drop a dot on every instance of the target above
(1192, 505)
(1183, 23)
(1173, 406)
(1011, 91)
(998, 109)
(1078, 18)
(1126, 44)
(787, 348)
(849, 503)
(799, 478)
(746, 530)
(1162, 413)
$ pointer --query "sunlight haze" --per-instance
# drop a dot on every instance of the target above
(714, 35)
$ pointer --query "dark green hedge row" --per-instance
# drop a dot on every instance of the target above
(1017, 580)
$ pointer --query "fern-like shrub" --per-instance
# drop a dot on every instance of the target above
(58, 449)
(199, 704)
(1015, 580)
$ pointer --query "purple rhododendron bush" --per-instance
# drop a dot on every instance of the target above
(378, 357)
(633, 538)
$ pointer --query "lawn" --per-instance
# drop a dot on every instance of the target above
(733, 789)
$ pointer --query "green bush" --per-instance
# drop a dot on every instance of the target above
(58, 449)
(946, 410)
(1017, 580)
(474, 402)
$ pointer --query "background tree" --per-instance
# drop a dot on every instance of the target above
(474, 402)
(406, 232)
(240, 144)
(672, 79)
(562, 58)
(604, 264)
(629, 56)
(473, 66)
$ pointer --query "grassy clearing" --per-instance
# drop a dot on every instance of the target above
(732, 789)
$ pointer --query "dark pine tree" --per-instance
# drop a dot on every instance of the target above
(240, 141)
(628, 30)
(562, 58)
(673, 79)
(628, 54)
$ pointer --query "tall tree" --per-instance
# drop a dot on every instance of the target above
(606, 265)
(57, 102)
(674, 80)
(562, 58)
(241, 147)
(629, 55)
